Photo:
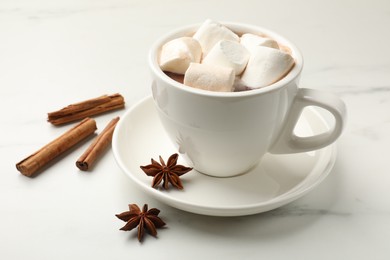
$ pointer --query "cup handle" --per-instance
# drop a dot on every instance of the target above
(288, 142)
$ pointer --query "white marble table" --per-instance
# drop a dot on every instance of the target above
(55, 52)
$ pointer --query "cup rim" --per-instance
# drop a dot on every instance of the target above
(188, 30)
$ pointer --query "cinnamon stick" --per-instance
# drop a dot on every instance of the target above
(86, 108)
(97, 147)
(30, 165)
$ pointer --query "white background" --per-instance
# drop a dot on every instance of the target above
(53, 53)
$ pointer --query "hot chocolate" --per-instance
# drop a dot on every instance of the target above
(214, 53)
(225, 134)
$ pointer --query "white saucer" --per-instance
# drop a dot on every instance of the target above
(276, 181)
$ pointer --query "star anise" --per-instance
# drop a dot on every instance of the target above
(145, 219)
(168, 173)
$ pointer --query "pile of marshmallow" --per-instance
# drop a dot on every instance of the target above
(217, 59)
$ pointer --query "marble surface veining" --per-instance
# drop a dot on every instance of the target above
(55, 52)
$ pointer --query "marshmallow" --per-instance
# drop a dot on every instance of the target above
(238, 85)
(251, 40)
(176, 55)
(210, 32)
(266, 66)
(209, 77)
(228, 54)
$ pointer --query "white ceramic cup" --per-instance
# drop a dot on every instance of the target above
(226, 134)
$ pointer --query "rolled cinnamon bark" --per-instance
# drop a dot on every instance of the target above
(30, 165)
(97, 147)
(86, 108)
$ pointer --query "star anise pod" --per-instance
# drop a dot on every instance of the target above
(168, 173)
(145, 219)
